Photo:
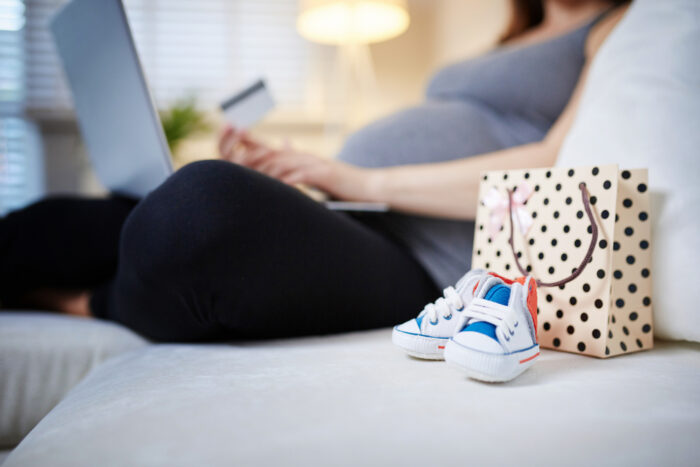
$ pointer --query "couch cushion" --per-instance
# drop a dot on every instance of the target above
(641, 108)
(356, 400)
(42, 356)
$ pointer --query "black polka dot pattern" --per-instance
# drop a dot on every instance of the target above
(631, 330)
(578, 317)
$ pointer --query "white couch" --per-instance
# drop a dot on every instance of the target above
(354, 399)
(350, 399)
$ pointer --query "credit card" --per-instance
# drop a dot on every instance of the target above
(249, 106)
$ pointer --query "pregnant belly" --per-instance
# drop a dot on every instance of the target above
(434, 131)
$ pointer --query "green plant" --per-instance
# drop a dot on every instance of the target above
(182, 120)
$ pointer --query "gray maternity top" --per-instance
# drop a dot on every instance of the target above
(508, 97)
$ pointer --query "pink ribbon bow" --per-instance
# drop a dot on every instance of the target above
(497, 202)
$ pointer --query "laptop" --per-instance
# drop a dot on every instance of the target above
(115, 111)
(116, 114)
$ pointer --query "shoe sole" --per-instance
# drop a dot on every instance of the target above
(487, 367)
(419, 346)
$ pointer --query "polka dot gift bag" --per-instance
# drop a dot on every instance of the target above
(584, 234)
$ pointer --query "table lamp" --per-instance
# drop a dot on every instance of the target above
(351, 25)
(339, 22)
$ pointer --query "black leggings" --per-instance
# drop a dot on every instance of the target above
(222, 252)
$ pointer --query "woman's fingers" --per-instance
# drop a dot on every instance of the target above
(267, 164)
(295, 177)
(248, 140)
(254, 158)
(288, 161)
(231, 147)
(235, 144)
(287, 165)
(307, 169)
(226, 143)
(280, 165)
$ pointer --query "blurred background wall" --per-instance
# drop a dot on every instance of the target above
(206, 50)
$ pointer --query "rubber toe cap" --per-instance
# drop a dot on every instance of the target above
(410, 326)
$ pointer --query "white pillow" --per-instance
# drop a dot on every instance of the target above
(42, 356)
(641, 108)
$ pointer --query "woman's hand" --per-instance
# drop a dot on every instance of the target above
(292, 167)
(238, 147)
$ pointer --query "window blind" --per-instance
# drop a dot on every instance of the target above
(13, 177)
(207, 49)
(12, 166)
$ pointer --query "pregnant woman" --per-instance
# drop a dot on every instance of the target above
(228, 249)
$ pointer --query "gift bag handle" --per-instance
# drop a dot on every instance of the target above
(594, 239)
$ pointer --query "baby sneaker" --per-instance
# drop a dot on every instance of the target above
(426, 336)
(496, 335)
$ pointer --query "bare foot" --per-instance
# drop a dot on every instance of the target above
(74, 303)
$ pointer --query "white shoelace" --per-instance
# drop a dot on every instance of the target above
(446, 305)
(501, 316)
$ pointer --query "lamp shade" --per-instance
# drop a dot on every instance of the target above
(341, 22)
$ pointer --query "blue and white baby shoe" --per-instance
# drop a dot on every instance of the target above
(495, 338)
(426, 336)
